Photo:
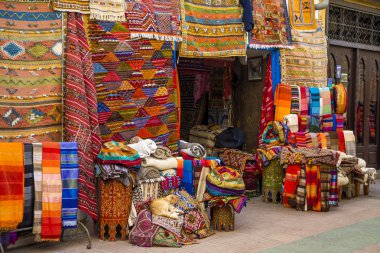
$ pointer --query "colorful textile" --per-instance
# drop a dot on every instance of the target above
(27, 220)
(187, 179)
(282, 101)
(11, 185)
(81, 6)
(37, 166)
(267, 107)
(327, 123)
(342, 143)
(80, 119)
(305, 64)
(314, 101)
(185, 202)
(193, 221)
(304, 103)
(226, 179)
(31, 72)
(301, 190)
(164, 238)
(273, 33)
(338, 122)
(325, 171)
(212, 29)
(325, 95)
(296, 100)
(334, 141)
(275, 134)
(276, 68)
(333, 192)
(114, 152)
(51, 222)
(290, 185)
(272, 182)
(171, 182)
(143, 233)
(115, 206)
(153, 19)
(340, 98)
(107, 10)
(302, 15)
(236, 202)
(173, 225)
(303, 123)
(313, 189)
(69, 173)
(134, 82)
(315, 124)
(236, 159)
(350, 142)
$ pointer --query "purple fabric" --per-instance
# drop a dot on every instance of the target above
(144, 230)
(218, 191)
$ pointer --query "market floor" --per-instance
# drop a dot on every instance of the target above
(354, 226)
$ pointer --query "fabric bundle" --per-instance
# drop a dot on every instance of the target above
(282, 101)
(212, 29)
(275, 134)
(51, 223)
(11, 185)
(107, 10)
(267, 108)
(300, 139)
(145, 148)
(291, 121)
(314, 101)
(113, 152)
(153, 19)
(274, 34)
(111, 171)
(326, 101)
(37, 166)
(69, 173)
(147, 173)
(192, 149)
(27, 220)
(350, 142)
(81, 123)
(225, 181)
(340, 98)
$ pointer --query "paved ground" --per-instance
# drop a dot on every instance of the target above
(354, 226)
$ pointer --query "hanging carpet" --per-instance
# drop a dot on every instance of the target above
(302, 15)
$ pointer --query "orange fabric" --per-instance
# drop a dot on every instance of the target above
(11, 185)
(282, 101)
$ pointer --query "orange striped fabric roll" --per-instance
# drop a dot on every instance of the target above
(11, 185)
(51, 192)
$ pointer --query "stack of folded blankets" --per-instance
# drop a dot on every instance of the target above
(206, 136)
(226, 185)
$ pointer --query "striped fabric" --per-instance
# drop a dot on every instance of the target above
(51, 192)
(327, 123)
(11, 185)
(69, 172)
(304, 103)
(296, 97)
(37, 165)
(27, 220)
(333, 191)
(325, 171)
(326, 101)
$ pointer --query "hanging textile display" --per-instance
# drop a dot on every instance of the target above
(80, 119)
(11, 185)
(27, 220)
(154, 19)
(31, 72)
(296, 99)
(302, 15)
(37, 166)
(276, 68)
(212, 29)
(81, 6)
(267, 107)
(115, 205)
(51, 222)
(290, 185)
(325, 96)
(69, 173)
(282, 101)
(306, 63)
(107, 10)
(315, 102)
(134, 83)
(273, 33)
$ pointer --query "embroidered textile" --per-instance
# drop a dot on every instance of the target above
(193, 221)
(267, 107)
(107, 10)
(154, 19)
(212, 29)
(51, 222)
(11, 185)
(81, 6)
(306, 63)
(236, 159)
(314, 101)
(115, 206)
(173, 225)
(37, 166)
(31, 72)
(302, 15)
(143, 233)
(282, 101)
(134, 82)
(69, 173)
(27, 220)
(114, 152)
(80, 118)
(272, 28)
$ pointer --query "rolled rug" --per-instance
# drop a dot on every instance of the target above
(144, 147)
(146, 173)
(192, 149)
(162, 153)
(160, 164)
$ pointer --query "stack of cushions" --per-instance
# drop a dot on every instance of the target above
(225, 181)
